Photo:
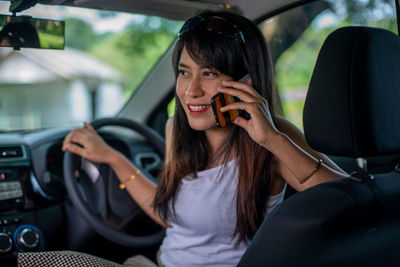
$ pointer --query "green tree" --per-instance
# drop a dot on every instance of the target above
(79, 34)
(137, 49)
(295, 50)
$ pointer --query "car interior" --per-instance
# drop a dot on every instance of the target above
(337, 78)
(354, 221)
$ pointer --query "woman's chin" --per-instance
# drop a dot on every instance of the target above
(202, 126)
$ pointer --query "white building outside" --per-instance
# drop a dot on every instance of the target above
(49, 88)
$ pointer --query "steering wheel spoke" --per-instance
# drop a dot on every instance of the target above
(93, 193)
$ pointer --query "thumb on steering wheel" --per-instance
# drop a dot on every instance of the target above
(89, 126)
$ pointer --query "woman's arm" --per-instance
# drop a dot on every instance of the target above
(297, 163)
(88, 144)
(295, 159)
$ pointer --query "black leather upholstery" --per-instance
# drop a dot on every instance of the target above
(354, 94)
(334, 224)
(352, 110)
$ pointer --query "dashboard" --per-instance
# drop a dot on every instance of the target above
(33, 198)
(24, 204)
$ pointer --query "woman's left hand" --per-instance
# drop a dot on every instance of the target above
(260, 127)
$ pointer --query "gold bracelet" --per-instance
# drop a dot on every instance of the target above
(122, 185)
(303, 180)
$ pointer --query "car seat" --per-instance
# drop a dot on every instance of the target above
(352, 109)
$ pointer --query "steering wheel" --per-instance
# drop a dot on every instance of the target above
(91, 196)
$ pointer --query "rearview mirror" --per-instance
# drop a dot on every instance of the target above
(25, 31)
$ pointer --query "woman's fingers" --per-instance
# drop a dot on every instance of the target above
(89, 126)
(261, 125)
(67, 141)
(241, 122)
(245, 87)
(259, 113)
(76, 149)
(78, 135)
(242, 95)
(249, 107)
(86, 142)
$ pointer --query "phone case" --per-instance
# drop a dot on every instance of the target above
(224, 119)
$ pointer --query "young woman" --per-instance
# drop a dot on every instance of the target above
(217, 184)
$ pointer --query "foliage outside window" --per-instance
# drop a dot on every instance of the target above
(134, 51)
(296, 36)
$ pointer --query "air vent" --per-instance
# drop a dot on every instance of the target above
(11, 152)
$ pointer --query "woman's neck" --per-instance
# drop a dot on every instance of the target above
(216, 138)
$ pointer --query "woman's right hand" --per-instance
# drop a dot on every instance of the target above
(87, 143)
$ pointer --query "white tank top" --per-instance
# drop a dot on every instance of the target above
(201, 234)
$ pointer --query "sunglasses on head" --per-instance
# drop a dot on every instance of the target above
(214, 24)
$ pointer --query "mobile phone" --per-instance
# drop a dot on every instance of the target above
(220, 100)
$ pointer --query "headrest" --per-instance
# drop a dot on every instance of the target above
(352, 106)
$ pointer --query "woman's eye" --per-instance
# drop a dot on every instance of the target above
(182, 72)
(210, 74)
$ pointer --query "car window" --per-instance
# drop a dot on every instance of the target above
(107, 56)
(296, 36)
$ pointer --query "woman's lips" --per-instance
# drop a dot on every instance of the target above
(197, 109)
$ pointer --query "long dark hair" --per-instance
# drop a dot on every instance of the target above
(189, 149)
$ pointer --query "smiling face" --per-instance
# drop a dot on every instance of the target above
(195, 87)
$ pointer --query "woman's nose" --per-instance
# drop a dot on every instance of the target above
(194, 89)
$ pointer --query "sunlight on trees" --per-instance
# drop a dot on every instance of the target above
(133, 52)
(295, 49)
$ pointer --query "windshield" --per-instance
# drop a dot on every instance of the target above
(106, 57)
